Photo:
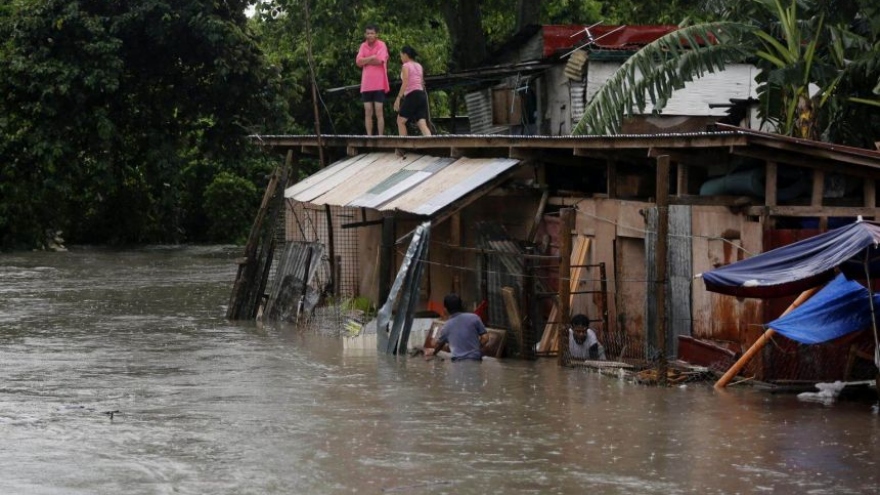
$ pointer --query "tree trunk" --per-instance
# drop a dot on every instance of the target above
(528, 12)
(465, 24)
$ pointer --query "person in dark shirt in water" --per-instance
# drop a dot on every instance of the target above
(463, 331)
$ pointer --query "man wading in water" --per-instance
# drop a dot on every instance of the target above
(463, 331)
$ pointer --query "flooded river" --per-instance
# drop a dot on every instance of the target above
(202, 406)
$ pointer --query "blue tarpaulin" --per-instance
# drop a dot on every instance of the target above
(800, 266)
(839, 308)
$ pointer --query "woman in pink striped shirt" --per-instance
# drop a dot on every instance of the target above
(412, 101)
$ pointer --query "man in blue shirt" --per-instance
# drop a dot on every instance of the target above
(463, 331)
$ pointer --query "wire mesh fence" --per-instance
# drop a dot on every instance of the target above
(313, 223)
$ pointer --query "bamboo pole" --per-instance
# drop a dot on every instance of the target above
(761, 342)
(567, 219)
(314, 81)
(513, 317)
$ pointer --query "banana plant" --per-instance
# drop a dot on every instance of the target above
(661, 67)
(805, 64)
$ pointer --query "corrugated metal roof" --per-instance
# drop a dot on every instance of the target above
(577, 92)
(418, 184)
(566, 37)
(479, 106)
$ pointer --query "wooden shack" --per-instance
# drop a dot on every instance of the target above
(732, 193)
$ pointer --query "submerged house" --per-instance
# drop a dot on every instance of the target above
(495, 202)
(499, 197)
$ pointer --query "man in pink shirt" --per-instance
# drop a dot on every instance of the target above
(372, 58)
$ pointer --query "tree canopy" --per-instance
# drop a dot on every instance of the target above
(127, 122)
(117, 115)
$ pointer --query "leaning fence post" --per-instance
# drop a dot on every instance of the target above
(761, 342)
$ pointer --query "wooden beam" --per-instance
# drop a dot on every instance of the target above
(770, 185)
(802, 160)
(539, 214)
(352, 150)
(365, 223)
(572, 161)
(331, 244)
(455, 240)
(508, 295)
(661, 262)
(761, 342)
(522, 154)
(821, 151)
(611, 177)
(870, 194)
(628, 155)
(696, 157)
(600, 143)
(564, 200)
(811, 211)
(386, 258)
(681, 179)
(730, 201)
(591, 153)
(818, 188)
(566, 224)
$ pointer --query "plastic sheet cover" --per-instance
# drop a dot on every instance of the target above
(841, 307)
(800, 266)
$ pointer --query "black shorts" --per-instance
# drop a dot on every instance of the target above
(414, 106)
(378, 96)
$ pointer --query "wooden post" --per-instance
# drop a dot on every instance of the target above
(761, 342)
(457, 256)
(566, 223)
(611, 176)
(253, 269)
(681, 179)
(331, 246)
(385, 255)
(513, 317)
(603, 298)
(314, 82)
(660, 261)
(816, 196)
(770, 185)
(484, 276)
(542, 205)
(531, 306)
(870, 193)
(337, 277)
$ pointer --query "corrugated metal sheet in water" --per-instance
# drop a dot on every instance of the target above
(450, 184)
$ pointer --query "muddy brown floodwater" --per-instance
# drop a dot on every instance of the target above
(200, 405)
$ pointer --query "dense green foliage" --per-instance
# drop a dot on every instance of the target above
(117, 115)
(819, 67)
(127, 122)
